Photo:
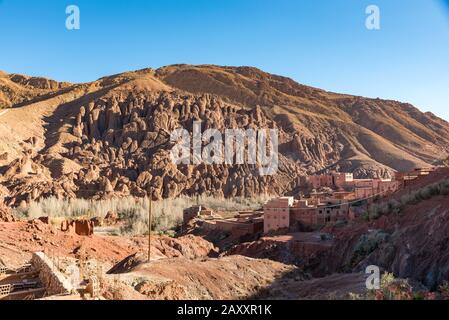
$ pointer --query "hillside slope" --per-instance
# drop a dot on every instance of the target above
(110, 137)
(387, 132)
(19, 89)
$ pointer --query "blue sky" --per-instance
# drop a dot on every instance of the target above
(323, 43)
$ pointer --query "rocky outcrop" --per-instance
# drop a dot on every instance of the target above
(115, 142)
(5, 214)
(124, 146)
(18, 89)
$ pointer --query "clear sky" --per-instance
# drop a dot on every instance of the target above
(322, 43)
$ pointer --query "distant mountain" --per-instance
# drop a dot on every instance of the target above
(16, 89)
(111, 136)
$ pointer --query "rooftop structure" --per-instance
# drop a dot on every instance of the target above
(406, 177)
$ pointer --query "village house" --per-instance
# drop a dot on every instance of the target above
(366, 188)
(277, 213)
(330, 210)
(285, 212)
(333, 180)
(350, 188)
(405, 177)
(330, 206)
(344, 195)
(196, 212)
(320, 207)
(241, 224)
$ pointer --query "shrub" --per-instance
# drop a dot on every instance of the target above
(425, 193)
(435, 189)
(367, 243)
(373, 212)
(167, 213)
(444, 188)
(444, 290)
(365, 216)
(394, 206)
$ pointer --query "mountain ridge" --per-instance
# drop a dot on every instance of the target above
(116, 129)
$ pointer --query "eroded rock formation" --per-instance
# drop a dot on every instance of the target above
(111, 137)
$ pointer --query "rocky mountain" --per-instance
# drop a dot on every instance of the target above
(18, 89)
(111, 137)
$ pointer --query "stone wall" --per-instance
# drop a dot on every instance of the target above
(53, 280)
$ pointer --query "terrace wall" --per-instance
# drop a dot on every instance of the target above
(53, 280)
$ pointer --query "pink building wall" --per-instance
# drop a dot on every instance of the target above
(277, 214)
(371, 187)
(321, 181)
(335, 179)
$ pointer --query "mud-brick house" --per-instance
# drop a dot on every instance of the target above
(277, 213)
(195, 212)
(406, 177)
(333, 180)
(239, 228)
(365, 188)
(285, 212)
(330, 210)
(304, 211)
(344, 195)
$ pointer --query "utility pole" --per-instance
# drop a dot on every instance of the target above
(150, 220)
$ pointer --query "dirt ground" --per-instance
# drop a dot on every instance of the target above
(18, 240)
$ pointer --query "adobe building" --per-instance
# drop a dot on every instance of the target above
(365, 188)
(239, 228)
(344, 195)
(356, 188)
(333, 180)
(305, 212)
(405, 177)
(242, 224)
(277, 213)
(285, 212)
(343, 180)
(330, 210)
(321, 181)
(195, 212)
